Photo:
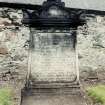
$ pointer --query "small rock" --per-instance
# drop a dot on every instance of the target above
(5, 21)
(3, 51)
(99, 19)
(15, 17)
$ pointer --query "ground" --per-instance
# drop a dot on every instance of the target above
(51, 99)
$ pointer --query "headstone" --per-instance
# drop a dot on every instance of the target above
(53, 58)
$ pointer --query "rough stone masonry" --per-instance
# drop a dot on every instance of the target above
(91, 47)
(14, 45)
(14, 39)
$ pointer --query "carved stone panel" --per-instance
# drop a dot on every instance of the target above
(53, 57)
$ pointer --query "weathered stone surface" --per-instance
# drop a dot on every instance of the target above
(16, 17)
(91, 41)
(53, 57)
(3, 50)
(4, 22)
(13, 52)
(91, 45)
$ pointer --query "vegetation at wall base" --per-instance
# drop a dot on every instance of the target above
(6, 96)
(97, 93)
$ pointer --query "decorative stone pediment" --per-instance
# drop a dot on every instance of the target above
(52, 13)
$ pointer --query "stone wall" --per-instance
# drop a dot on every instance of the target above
(13, 51)
(91, 46)
(14, 43)
(14, 38)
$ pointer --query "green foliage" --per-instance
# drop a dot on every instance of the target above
(5, 96)
(97, 93)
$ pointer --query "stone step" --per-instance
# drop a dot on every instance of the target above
(49, 85)
(51, 91)
(34, 88)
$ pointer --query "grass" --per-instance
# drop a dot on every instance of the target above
(97, 93)
(5, 96)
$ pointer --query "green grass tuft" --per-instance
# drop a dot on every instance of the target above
(5, 96)
(97, 93)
